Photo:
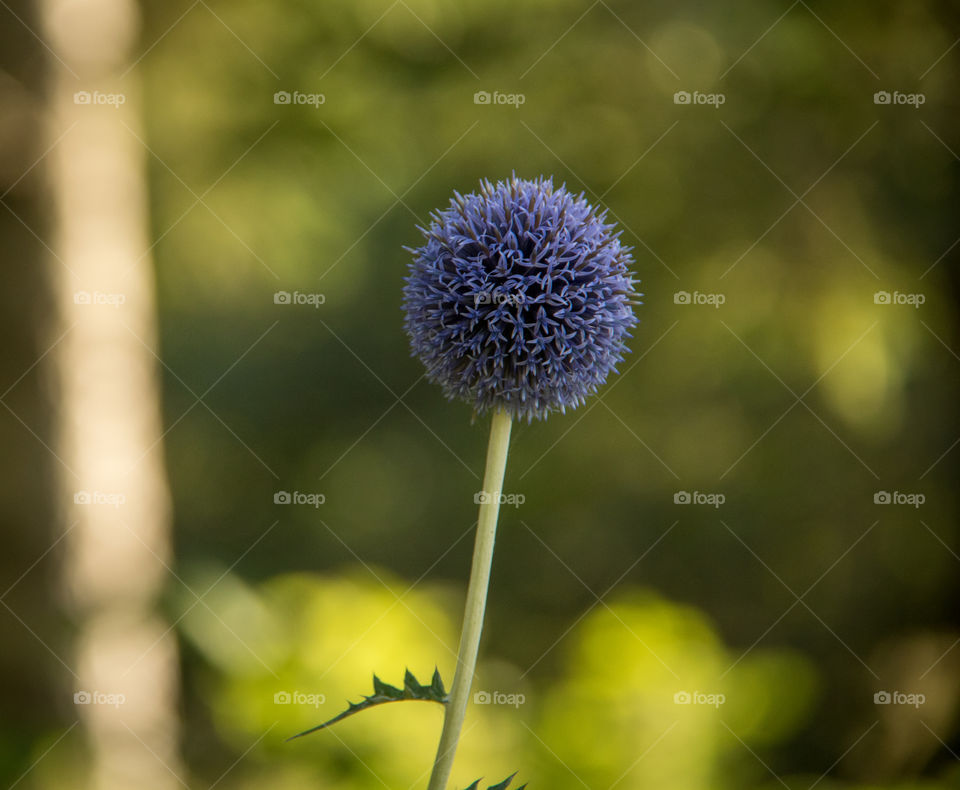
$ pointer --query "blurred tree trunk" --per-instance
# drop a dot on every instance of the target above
(110, 426)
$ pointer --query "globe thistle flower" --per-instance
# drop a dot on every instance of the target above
(520, 299)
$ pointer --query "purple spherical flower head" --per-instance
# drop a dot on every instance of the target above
(520, 299)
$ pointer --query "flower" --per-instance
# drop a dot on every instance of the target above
(520, 299)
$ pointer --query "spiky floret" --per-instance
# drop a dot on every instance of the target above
(520, 299)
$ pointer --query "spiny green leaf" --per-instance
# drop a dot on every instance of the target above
(502, 786)
(384, 692)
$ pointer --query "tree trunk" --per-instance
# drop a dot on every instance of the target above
(110, 424)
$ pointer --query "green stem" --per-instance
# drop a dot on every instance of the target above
(456, 706)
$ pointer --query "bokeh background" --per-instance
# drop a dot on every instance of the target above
(797, 355)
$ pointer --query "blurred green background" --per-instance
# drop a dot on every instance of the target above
(799, 398)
